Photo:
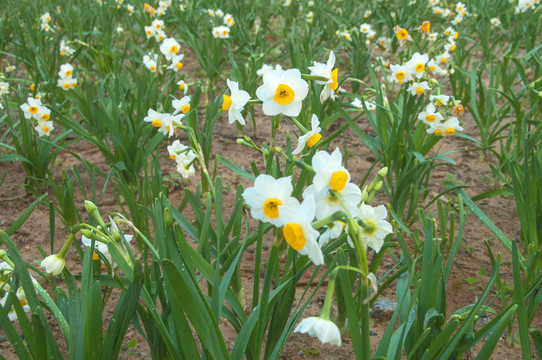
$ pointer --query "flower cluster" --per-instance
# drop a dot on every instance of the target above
(156, 30)
(45, 18)
(6, 272)
(65, 50)
(33, 109)
(66, 80)
(184, 156)
(434, 118)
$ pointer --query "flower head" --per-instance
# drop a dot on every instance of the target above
(53, 264)
(419, 88)
(282, 92)
(298, 231)
(266, 197)
(235, 103)
(182, 105)
(377, 228)
(170, 47)
(329, 171)
(331, 75)
(221, 32)
(448, 127)
(325, 330)
(310, 138)
(430, 115)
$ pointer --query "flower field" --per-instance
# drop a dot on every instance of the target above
(185, 179)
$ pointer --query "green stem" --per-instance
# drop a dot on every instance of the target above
(62, 252)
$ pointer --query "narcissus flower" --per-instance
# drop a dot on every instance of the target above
(430, 115)
(417, 64)
(401, 73)
(182, 105)
(265, 197)
(419, 88)
(282, 92)
(150, 62)
(298, 231)
(221, 32)
(184, 156)
(44, 128)
(326, 71)
(4, 88)
(402, 35)
(182, 86)
(65, 50)
(228, 20)
(235, 103)
(164, 122)
(176, 63)
(170, 47)
(310, 138)
(329, 171)
(66, 70)
(495, 21)
(440, 100)
(31, 108)
(332, 232)
(449, 127)
(377, 228)
(325, 330)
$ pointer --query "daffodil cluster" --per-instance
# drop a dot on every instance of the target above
(35, 111)
(6, 272)
(66, 80)
(330, 193)
(45, 19)
(65, 49)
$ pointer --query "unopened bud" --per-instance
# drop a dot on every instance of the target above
(452, 71)
(378, 186)
(89, 205)
(168, 219)
(383, 172)
(364, 194)
(240, 142)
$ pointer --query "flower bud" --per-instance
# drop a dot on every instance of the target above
(378, 186)
(89, 205)
(53, 264)
(383, 172)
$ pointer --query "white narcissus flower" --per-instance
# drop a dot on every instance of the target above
(66, 71)
(325, 330)
(221, 32)
(31, 108)
(53, 264)
(417, 64)
(377, 228)
(176, 63)
(310, 138)
(102, 248)
(4, 88)
(282, 92)
(265, 197)
(150, 62)
(326, 71)
(327, 203)
(401, 73)
(440, 100)
(164, 122)
(44, 128)
(182, 105)
(170, 47)
(332, 232)
(434, 67)
(235, 103)
(430, 115)
(495, 21)
(65, 50)
(329, 171)
(228, 20)
(298, 231)
(448, 127)
(182, 86)
(419, 88)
